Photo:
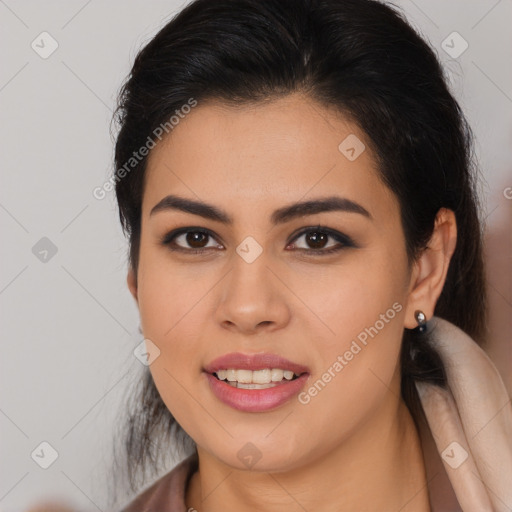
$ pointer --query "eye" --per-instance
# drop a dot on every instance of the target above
(318, 236)
(196, 238)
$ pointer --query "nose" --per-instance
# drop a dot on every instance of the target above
(253, 298)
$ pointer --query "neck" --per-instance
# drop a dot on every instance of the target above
(380, 467)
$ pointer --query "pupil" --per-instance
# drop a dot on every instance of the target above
(317, 240)
(196, 237)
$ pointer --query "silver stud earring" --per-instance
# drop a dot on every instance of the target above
(422, 321)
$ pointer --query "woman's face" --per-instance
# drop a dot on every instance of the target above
(262, 284)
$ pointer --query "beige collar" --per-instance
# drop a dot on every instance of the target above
(468, 448)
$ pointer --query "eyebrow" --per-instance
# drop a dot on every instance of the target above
(279, 216)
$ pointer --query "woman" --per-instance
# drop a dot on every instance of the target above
(306, 256)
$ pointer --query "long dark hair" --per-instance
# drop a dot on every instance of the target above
(359, 56)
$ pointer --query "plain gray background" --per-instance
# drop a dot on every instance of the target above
(69, 325)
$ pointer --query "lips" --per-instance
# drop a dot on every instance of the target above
(255, 400)
(254, 362)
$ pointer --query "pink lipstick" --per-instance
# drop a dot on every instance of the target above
(255, 382)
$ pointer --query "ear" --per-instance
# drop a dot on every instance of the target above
(430, 270)
(132, 284)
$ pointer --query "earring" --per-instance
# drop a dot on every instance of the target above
(422, 321)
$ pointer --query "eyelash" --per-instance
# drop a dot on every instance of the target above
(345, 240)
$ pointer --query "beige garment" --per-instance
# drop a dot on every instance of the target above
(467, 449)
(471, 424)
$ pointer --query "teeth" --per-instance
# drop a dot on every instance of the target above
(252, 386)
(254, 378)
(261, 376)
(244, 376)
(277, 375)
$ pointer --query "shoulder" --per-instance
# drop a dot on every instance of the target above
(167, 494)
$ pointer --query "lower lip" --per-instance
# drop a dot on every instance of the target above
(256, 400)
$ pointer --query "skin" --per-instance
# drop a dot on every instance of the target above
(354, 446)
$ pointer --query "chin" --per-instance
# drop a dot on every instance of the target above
(259, 456)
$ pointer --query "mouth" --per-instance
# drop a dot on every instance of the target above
(255, 382)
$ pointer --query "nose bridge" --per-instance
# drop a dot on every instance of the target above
(251, 294)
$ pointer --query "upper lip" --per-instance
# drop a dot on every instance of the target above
(237, 360)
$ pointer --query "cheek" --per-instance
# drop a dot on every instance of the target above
(169, 307)
(356, 375)
(337, 403)
(363, 304)
(170, 310)
(171, 317)
(365, 291)
(167, 293)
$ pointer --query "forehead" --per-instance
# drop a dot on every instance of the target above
(264, 155)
